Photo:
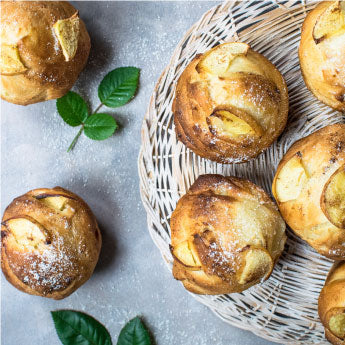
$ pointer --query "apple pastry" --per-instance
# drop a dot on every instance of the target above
(322, 53)
(44, 47)
(50, 242)
(332, 304)
(231, 103)
(309, 187)
(226, 235)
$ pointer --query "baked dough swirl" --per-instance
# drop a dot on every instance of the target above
(332, 304)
(322, 53)
(231, 103)
(309, 187)
(226, 235)
(50, 242)
(44, 47)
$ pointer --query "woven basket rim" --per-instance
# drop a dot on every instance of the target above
(146, 156)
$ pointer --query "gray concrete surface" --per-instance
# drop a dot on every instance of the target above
(131, 278)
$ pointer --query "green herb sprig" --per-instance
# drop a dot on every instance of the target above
(116, 89)
(76, 328)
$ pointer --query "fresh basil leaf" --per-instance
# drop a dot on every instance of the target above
(99, 126)
(119, 86)
(75, 328)
(72, 108)
(134, 333)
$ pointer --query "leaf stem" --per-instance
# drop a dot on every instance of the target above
(75, 138)
(99, 107)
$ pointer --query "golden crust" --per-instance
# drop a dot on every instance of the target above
(332, 338)
(60, 254)
(322, 154)
(332, 300)
(322, 64)
(230, 223)
(259, 97)
(28, 25)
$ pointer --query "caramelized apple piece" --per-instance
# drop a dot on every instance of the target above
(258, 265)
(333, 198)
(218, 60)
(10, 62)
(333, 70)
(290, 180)
(26, 233)
(225, 123)
(67, 32)
(330, 22)
(58, 203)
(186, 254)
(337, 325)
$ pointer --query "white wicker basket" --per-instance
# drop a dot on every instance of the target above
(284, 308)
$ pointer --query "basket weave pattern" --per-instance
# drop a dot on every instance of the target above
(284, 308)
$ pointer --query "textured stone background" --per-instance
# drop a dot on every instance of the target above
(131, 278)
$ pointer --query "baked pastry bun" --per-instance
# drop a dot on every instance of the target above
(44, 47)
(322, 53)
(309, 187)
(231, 103)
(332, 304)
(226, 235)
(50, 242)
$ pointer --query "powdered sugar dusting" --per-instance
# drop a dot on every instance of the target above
(49, 269)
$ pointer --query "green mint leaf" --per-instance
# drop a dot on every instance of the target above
(134, 333)
(99, 126)
(119, 86)
(72, 108)
(75, 328)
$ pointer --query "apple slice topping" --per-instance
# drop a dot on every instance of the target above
(330, 22)
(186, 254)
(290, 180)
(26, 233)
(224, 123)
(10, 62)
(333, 198)
(67, 33)
(337, 325)
(217, 61)
(258, 265)
(57, 202)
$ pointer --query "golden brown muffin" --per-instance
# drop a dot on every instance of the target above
(226, 235)
(332, 304)
(322, 53)
(50, 242)
(231, 103)
(44, 47)
(309, 187)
